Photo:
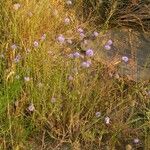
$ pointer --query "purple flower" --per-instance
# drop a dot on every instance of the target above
(82, 35)
(86, 64)
(136, 141)
(36, 44)
(107, 120)
(95, 34)
(43, 37)
(17, 58)
(13, 47)
(80, 30)
(67, 21)
(110, 42)
(89, 52)
(61, 38)
(31, 108)
(107, 47)
(76, 54)
(125, 59)
(98, 114)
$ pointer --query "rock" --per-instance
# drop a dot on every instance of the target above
(125, 43)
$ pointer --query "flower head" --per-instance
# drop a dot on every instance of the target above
(95, 34)
(17, 58)
(110, 42)
(13, 47)
(107, 120)
(43, 37)
(107, 47)
(82, 35)
(76, 54)
(61, 38)
(136, 141)
(80, 30)
(86, 64)
(31, 107)
(89, 52)
(125, 59)
(16, 6)
(67, 21)
(36, 44)
(98, 114)
(27, 79)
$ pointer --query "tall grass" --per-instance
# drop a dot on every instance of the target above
(51, 101)
(117, 13)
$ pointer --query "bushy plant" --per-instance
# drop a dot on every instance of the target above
(55, 96)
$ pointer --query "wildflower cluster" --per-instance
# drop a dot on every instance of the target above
(108, 45)
(57, 76)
